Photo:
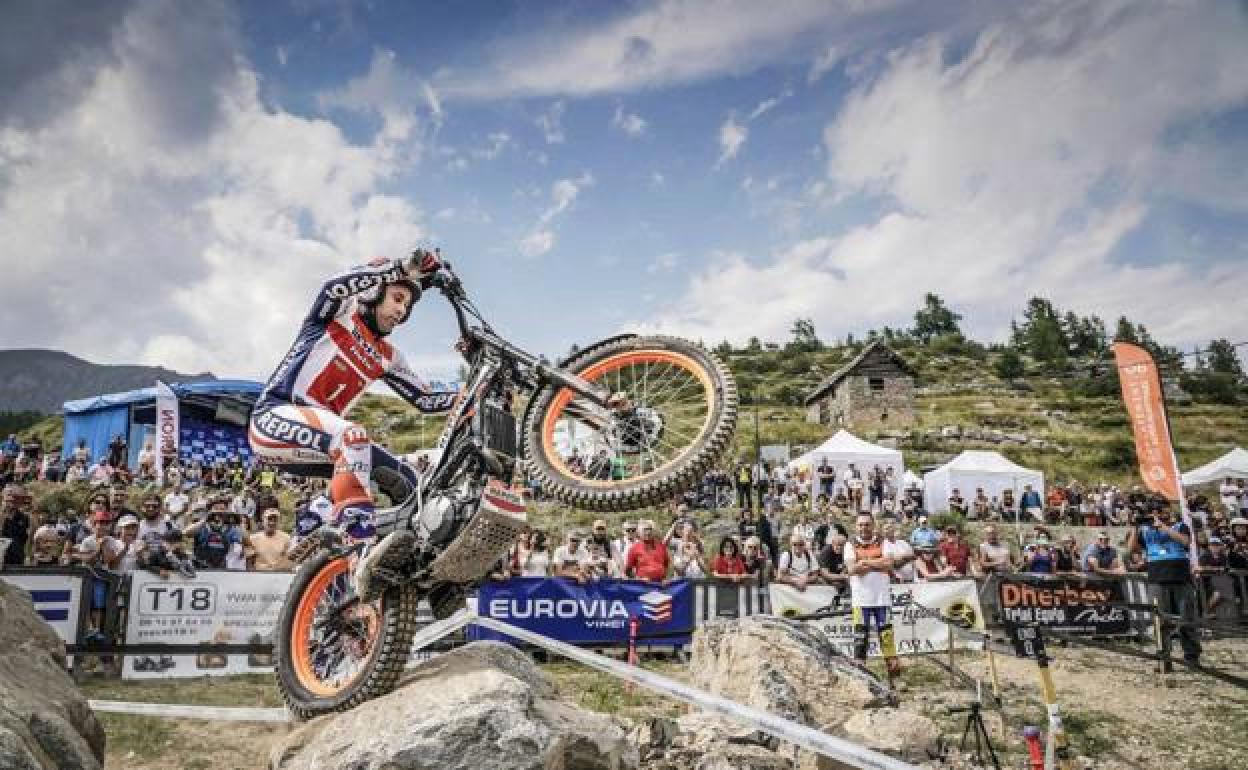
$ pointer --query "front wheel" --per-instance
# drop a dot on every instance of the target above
(332, 652)
(674, 410)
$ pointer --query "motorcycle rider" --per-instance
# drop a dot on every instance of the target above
(339, 351)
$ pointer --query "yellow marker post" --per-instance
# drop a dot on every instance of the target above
(1056, 748)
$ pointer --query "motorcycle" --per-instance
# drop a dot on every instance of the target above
(627, 422)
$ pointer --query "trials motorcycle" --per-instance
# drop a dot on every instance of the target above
(627, 422)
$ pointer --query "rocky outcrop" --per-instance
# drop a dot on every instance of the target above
(789, 669)
(45, 723)
(484, 706)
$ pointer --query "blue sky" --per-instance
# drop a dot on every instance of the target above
(176, 179)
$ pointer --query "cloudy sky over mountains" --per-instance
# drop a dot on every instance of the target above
(176, 178)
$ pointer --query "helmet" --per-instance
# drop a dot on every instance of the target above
(371, 298)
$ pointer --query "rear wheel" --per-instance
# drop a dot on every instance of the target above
(675, 412)
(332, 652)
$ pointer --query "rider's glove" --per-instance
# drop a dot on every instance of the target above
(423, 263)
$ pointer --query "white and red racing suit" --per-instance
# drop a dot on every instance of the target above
(300, 416)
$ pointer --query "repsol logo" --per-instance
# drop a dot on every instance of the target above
(357, 283)
(278, 429)
(565, 609)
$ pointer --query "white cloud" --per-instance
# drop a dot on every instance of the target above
(563, 193)
(657, 179)
(664, 263)
(824, 63)
(1012, 172)
(669, 42)
(497, 142)
(630, 123)
(769, 104)
(137, 240)
(731, 136)
(551, 123)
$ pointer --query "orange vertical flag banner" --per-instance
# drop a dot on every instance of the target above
(1141, 392)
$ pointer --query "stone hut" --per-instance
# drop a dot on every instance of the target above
(873, 391)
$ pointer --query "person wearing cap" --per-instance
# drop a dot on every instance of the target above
(571, 557)
(1101, 557)
(648, 558)
(1066, 559)
(216, 543)
(269, 545)
(16, 523)
(131, 545)
(1237, 545)
(1038, 558)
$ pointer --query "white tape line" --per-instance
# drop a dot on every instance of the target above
(850, 753)
(177, 711)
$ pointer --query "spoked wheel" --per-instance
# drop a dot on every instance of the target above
(673, 411)
(334, 652)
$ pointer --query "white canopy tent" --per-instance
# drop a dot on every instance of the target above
(845, 448)
(977, 469)
(1233, 464)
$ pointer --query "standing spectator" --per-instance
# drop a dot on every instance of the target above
(1009, 508)
(1229, 492)
(831, 525)
(1165, 545)
(957, 503)
(147, 462)
(598, 536)
(117, 452)
(1237, 545)
(871, 597)
(826, 474)
(757, 525)
(177, 502)
(728, 563)
(214, 539)
(745, 485)
(956, 553)
(980, 506)
(1068, 560)
(99, 550)
(1031, 503)
(16, 523)
(1101, 558)
(900, 552)
(131, 546)
(994, 556)
(648, 559)
(76, 473)
(854, 485)
(48, 543)
(243, 503)
(600, 564)
(832, 561)
(876, 489)
(101, 474)
(621, 545)
(797, 566)
(81, 454)
(240, 548)
(10, 447)
(269, 546)
(761, 472)
(1212, 561)
(571, 558)
(804, 527)
(154, 524)
(118, 500)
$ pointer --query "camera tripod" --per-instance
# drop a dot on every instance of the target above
(975, 724)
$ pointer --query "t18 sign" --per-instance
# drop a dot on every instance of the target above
(178, 599)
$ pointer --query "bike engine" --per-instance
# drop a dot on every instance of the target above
(443, 514)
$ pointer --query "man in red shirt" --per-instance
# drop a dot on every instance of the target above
(957, 553)
(648, 558)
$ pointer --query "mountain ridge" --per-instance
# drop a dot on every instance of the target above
(41, 380)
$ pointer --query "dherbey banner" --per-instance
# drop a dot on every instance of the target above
(223, 607)
(917, 612)
(167, 426)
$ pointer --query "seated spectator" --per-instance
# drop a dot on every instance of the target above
(688, 562)
(1038, 558)
(536, 559)
(1067, 559)
(993, 555)
(957, 504)
(131, 546)
(76, 473)
(899, 551)
(48, 543)
(757, 565)
(924, 536)
(930, 565)
(832, 563)
(570, 558)
(1101, 558)
(956, 553)
(269, 545)
(728, 563)
(797, 566)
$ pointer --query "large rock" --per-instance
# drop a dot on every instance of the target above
(786, 668)
(45, 723)
(902, 734)
(484, 706)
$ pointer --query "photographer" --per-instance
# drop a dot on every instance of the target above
(1165, 544)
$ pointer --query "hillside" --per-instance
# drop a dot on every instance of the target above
(42, 380)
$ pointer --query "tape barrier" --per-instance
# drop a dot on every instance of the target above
(177, 711)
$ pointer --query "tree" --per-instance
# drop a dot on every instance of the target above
(1222, 358)
(935, 319)
(754, 345)
(1042, 333)
(1125, 331)
(804, 338)
(1010, 365)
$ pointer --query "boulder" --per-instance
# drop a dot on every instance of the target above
(905, 735)
(484, 706)
(45, 723)
(789, 669)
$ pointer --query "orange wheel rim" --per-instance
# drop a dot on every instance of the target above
(357, 646)
(600, 373)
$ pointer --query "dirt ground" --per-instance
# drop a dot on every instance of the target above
(1119, 713)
